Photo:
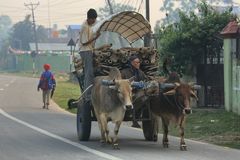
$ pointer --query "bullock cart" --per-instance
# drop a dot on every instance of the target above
(132, 27)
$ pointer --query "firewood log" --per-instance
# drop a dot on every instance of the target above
(104, 47)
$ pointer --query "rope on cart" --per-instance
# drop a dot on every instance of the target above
(85, 92)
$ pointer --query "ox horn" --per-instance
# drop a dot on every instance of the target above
(131, 79)
(194, 95)
(177, 84)
(171, 92)
(170, 85)
(194, 86)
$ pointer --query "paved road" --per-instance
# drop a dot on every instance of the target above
(28, 132)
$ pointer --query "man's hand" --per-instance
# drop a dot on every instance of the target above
(38, 89)
(93, 39)
(138, 85)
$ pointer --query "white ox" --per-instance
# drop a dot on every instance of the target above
(110, 103)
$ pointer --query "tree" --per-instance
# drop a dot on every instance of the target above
(117, 7)
(22, 34)
(5, 25)
(193, 36)
(172, 8)
(42, 33)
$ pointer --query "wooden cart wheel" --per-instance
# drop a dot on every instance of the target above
(84, 121)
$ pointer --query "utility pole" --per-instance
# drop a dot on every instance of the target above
(110, 6)
(32, 7)
(147, 37)
(49, 20)
(147, 11)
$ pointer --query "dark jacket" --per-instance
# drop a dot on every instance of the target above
(130, 72)
(139, 76)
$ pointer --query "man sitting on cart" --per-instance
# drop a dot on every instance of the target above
(134, 70)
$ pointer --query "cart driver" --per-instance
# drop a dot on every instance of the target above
(86, 44)
(134, 70)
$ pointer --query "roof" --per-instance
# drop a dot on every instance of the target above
(50, 46)
(129, 24)
(231, 30)
(74, 27)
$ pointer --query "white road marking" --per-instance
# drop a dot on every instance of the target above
(1, 89)
(93, 151)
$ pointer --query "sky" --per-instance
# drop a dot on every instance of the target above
(68, 12)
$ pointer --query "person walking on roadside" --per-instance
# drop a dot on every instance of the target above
(86, 45)
(46, 84)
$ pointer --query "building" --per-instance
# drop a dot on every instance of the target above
(51, 48)
(73, 32)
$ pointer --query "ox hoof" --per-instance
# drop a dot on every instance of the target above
(155, 137)
(165, 145)
(109, 140)
(116, 146)
(183, 147)
(102, 141)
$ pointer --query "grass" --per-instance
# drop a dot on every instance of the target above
(66, 90)
(215, 126)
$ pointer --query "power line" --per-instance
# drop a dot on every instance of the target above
(132, 4)
(140, 6)
(136, 5)
(62, 18)
(110, 6)
(10, 7)
(10, 11)
(55, 3)
(128, 2)
(73, 3)
(70, 15)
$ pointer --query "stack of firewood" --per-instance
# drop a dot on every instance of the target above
(105, 57)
